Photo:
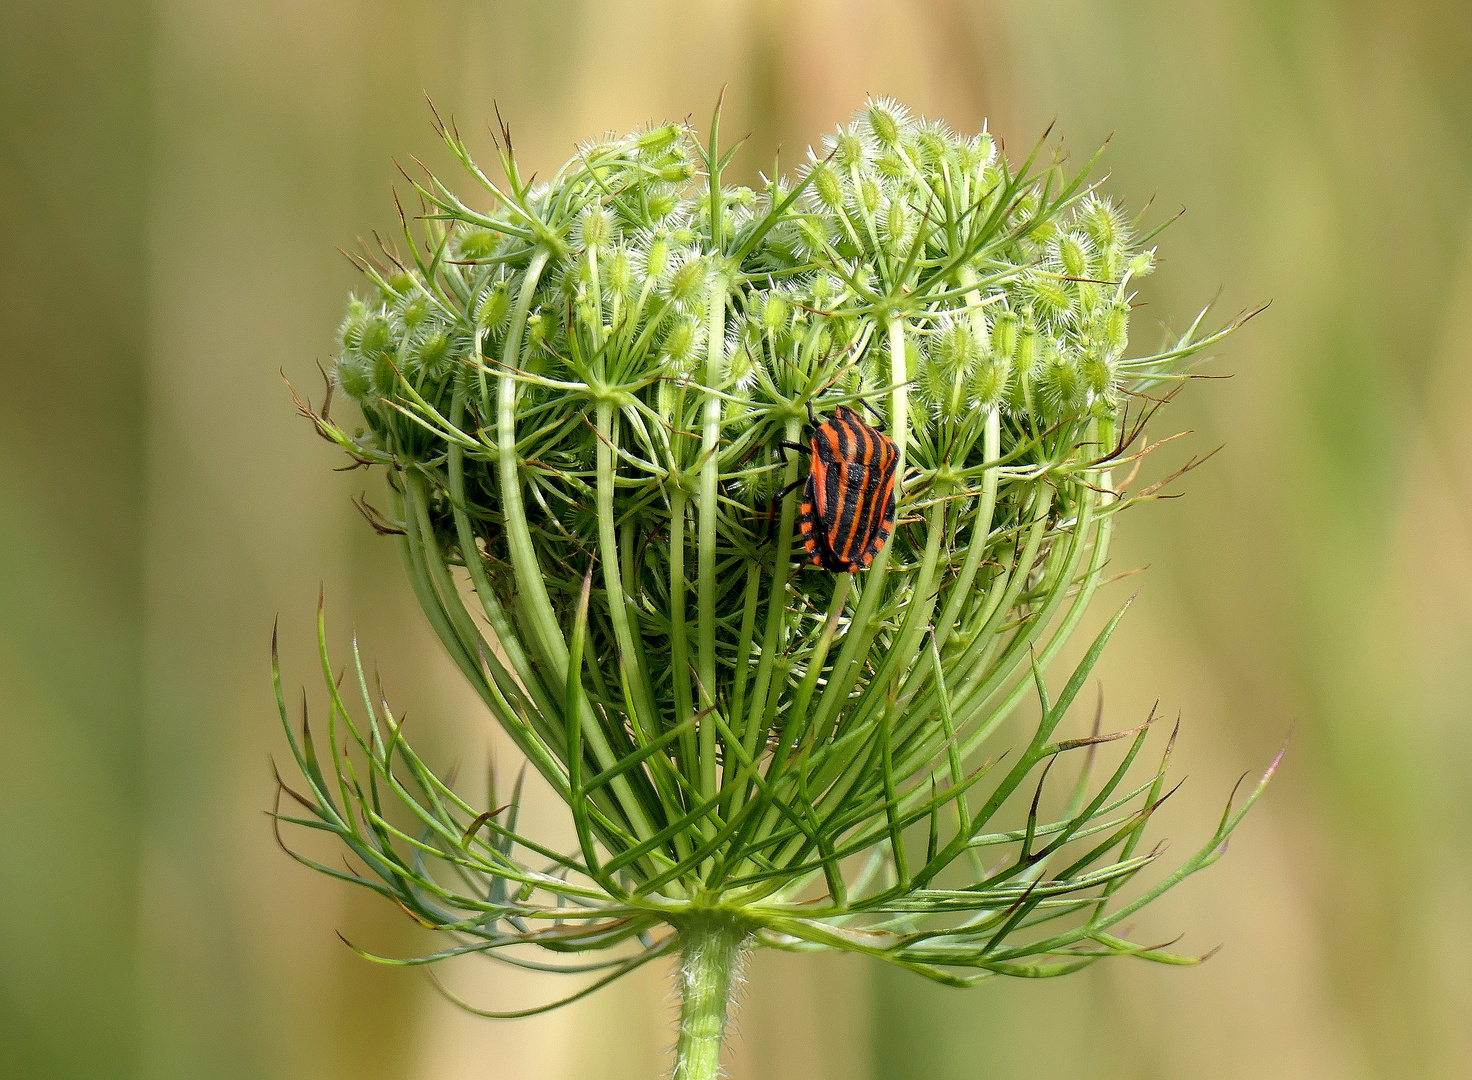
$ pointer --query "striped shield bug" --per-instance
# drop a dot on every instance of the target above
(848, 494)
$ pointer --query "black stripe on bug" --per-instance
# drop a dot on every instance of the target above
(848, 500)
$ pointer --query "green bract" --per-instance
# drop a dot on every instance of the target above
(580, 396)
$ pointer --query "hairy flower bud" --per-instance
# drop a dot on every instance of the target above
(1103, 222)
(897, 223)
(1004, 334)
(932, 144)
(688, 284)
(354, 370)
(413, 312)
(850, 150)
(822, 288)
(989, 382)
(657, 140)
(1059, 385)
(741, 368)
(478, 243)
(967, 158)
(428, 354)
(595, 230)
(1098, 374)
(376, 337)
(397, 285)
(886, 120)
(1074, 250)
(493, 306)
(681, 341)
(355, 321)
(657, 257)
(355, 375)
(1028, 344)
(825, 185)
(536, 331)
(662, 204)
(1115, 330)
(619, 274)
(1026, 364)
(1051, 298)
(677, 172)
(955, 347)
(775, 311)
(891, 165)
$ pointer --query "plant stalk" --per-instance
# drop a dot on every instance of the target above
(710, 950)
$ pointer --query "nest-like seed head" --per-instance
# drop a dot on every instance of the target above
(599, 305)
(775, 502)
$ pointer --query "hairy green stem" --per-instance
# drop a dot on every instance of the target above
(707, 510)
(552, 647)
(641, 709)
(679, 637)
(710, 951)
(756, 728)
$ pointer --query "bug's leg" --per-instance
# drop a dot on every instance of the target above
(785, 446)
(773, 507)
(882, 423)
(813, 420)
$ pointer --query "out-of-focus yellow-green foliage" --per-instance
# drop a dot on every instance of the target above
(175, 177)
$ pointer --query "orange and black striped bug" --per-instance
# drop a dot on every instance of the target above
(848, 494)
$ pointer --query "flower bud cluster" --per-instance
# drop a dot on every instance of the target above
(400, 332)
(593, 401)
(889, 185)
(642, 319)
(1044, 344)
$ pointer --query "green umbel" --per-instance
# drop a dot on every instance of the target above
(584, 400)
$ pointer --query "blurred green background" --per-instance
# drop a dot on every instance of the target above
(175, 176)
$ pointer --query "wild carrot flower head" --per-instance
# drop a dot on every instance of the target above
(593, 403)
